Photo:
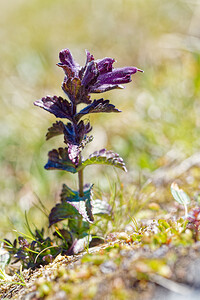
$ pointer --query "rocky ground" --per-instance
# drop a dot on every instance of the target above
(155, 262)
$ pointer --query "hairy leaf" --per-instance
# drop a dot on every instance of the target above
(101, 208)
(69, 210)
(106, 158)
(75, 134)
(58, 106)
(69, 133)
(82, 204)
(83, 208)
(97, 106)
(61, 212)
(56, 129)
(59, 159)
(67, 193)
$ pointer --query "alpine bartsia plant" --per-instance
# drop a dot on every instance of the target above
(97, 76)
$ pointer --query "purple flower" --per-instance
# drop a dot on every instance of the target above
(70, 67)
(113, 79)
(96, 76)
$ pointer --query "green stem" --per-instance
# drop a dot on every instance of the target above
(80, 181)
(81, 194)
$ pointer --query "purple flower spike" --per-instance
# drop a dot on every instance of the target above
(97, 76)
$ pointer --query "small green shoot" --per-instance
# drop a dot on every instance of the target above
(180, 196)
(21, 277)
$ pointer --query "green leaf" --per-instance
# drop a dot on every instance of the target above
(59, 159)
(88, 206)
(67, 193)
(73, 206)
(82, 209)
(101, 208)
(82, 204)
(64, 234)
(74, 226)
(179, 195)
(61, 212)
(106, 158)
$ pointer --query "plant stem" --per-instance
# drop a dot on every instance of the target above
(80, 181)
(81, 194)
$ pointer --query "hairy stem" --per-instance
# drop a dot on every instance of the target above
(81, 194)
(80, 181)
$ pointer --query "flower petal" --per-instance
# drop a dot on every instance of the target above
(66, 58)
(117, 76)
(90, 75)
(113, 79)
(104, 88)
(105, 65)
(67, 63)
(89, 57)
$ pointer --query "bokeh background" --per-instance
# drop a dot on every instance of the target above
(160, 122)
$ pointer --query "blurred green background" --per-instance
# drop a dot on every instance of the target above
(160, 122)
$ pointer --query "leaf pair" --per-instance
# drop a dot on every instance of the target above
(73, 206)
(61, 108)
(59, 159)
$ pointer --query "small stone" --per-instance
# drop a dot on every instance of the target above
(61, 295)
(108, 267)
